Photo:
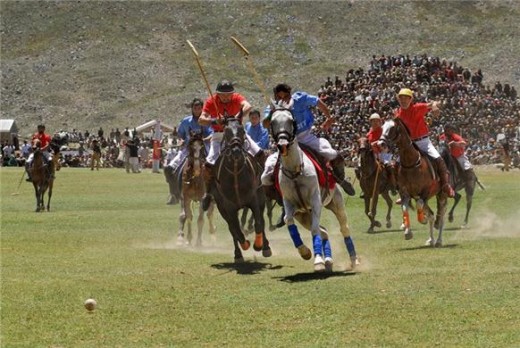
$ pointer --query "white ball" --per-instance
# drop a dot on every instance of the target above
(90, 304)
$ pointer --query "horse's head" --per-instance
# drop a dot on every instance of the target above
(390, 133)
(283, 129)
(36, 144)
(234, 136)
(195, 144)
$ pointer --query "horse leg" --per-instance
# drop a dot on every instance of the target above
(212, 228)
(303, 250)
(200, 226)
(327, 250)
(337, 207)
(421, 212)
(442, 201)
(269, 204)
(457, 199)
(470, 190)
(243, 219)
(37, 196)
(182, 223)
(373, 212)
(429, 217)
(368, 214)
(49, 195)
(317, 241)
(389, 204)
(189, 219)
(405, 202)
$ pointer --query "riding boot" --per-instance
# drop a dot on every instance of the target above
(28, 171)
(170, 179)
(209, 182)
(338, 170)
(260, 158)
(281, 220)
(444, 176)
(391, 173)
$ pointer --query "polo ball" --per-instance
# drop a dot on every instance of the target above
(90, 304)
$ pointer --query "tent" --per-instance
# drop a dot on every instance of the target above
(8, 131)
(149, 127)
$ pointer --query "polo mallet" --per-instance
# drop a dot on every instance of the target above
(19, 184)
(256, 77)
(372, 199)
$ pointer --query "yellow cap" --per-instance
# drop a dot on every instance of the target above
(406, 91)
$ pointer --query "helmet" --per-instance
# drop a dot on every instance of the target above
(225, 86)
(406, 91)
(374, 116)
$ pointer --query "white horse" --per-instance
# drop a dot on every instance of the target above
(303, 198)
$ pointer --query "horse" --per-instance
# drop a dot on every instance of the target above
(237, 186)
(191, 190)
(373, 182)
(303, 197)
(42, 175)
(460, 179)
(416, 179)
(247, 223)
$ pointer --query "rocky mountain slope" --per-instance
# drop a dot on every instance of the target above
(86, 64)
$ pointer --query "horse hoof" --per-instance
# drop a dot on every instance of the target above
(180, 240)
(239, 260)
(463, 226)
(388, 224)
(245, 246)
(267, 252)
(403, 226)
(370, 229)
(328, 264)
(272, 228)
(319, 264)
(438, 243)
(258, 244)
(354, 261)
(430, 242)
(377, 224)
(450, 218)
(305, 252)
(408, 235)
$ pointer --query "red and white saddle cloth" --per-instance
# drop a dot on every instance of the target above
(325, 178)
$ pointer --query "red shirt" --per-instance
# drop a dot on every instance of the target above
(455, 150)
(45, 139)
(413, 118)
(224, 110)
(374, 135)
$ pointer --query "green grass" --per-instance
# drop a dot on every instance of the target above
(111, 237)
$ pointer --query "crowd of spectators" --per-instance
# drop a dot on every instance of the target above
(486, 116)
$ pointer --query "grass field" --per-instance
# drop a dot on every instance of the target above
(111, 236)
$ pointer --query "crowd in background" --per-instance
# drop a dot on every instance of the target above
(488, 117)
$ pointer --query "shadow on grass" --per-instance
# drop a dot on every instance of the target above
(386, 231)
(305, 277)
(247, 267)
(426, 247)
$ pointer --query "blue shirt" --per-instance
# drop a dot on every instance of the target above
(259, 134)
(302, 112)
(190, 124)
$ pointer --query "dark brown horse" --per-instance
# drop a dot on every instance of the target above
(238, 186)
(460, 179)
(192, 190)
(374, 182)
(417, 179)
(42, 175)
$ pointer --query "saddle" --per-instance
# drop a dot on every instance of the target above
(323, 170)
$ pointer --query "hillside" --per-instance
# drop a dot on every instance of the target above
(115, 64)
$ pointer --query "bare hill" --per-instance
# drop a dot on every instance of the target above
(114, 64)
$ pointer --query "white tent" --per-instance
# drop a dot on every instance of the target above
(8, 130)
(149, 126)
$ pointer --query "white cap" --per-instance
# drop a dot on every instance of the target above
(375, 116)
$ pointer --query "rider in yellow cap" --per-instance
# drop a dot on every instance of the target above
(413, 116)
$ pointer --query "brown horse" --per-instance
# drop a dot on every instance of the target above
(42, 175)
(417, 179)
(192, 190)
(373, 182)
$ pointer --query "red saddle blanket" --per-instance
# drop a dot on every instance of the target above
(323, 180)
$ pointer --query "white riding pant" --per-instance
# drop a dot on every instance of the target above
(179, 157)
(215, 146)
(46, 154)
(464, 162)
(320, 145)
(426, 146)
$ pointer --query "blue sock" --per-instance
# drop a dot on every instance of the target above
(317, 244)
(350, 246)
(295, 235)
(327, 251)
